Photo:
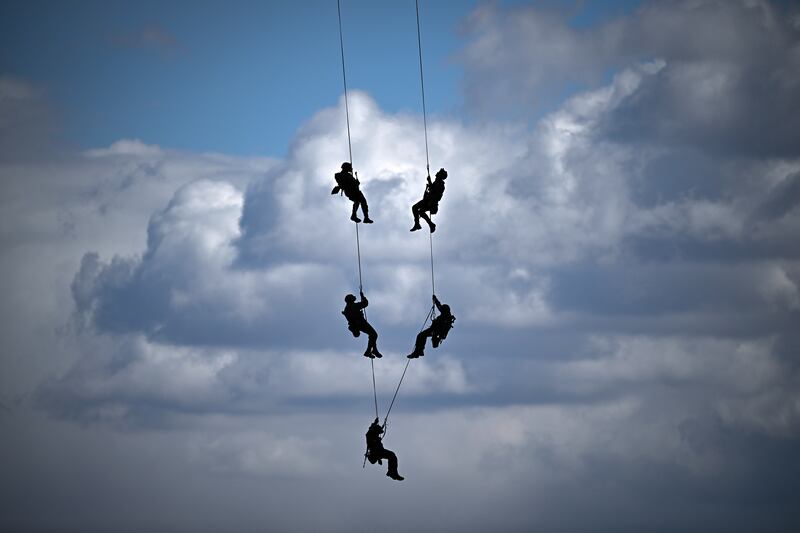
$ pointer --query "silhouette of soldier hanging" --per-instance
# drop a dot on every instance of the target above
(430, 200)
(440, 326)
(349, 184)
(376, 452)
(356, 323)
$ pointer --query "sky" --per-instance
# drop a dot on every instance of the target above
(617, 239)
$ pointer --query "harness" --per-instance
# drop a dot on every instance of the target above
(442, 325)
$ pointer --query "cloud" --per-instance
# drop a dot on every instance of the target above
(27, 126)
(529, 55)
(130, 147)
(129, 380)
(729, 90)
(548, 241)
(624, 271)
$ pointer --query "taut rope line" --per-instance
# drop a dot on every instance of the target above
(422, 86)
(350, 152)
(344, 79)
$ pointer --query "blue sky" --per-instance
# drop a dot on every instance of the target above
(617, 239)
(236, 80)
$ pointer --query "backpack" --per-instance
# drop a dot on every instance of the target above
(442, 327)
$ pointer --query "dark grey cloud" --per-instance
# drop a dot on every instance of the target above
(782, 199)
(729, 81)
(730, 78)
(677, 175)
(28, 125)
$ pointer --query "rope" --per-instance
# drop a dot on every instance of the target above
(375, 396)
(349, 141)
(433, 283)
(431, 313)
(358, 251)
(386, 418)
(425, 125)
(358, 239)
(350, 152)
(395, 396)
(344, 78)
(422, 86)
(374, 390)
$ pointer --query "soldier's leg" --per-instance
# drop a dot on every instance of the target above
(352, 195)
(419, 345)
(427, 219)
(363, 326)
(353, 215)
(372, 343)
(392, 458)
(362, 201)
(415, 210)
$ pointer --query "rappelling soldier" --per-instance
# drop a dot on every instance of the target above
(356, 323)
(440, 326)
(430, 200)
(346, 182)
(376, 452)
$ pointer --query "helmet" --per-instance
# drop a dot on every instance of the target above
(442, 173)
(446, 308)
(347, 166)
(350, 298)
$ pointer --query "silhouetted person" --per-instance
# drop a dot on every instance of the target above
(440, 326)
(430, 201)
(356, 323)
(376, 452)
(349, 184)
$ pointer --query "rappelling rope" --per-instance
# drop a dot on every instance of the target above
(361, 289)
(349, 141)
(422, 86)
(432, 312)
(395, 396)
(358, 252)
(428, 317)
(433, 283)
(425, 127)
(374, 390)
(350, 152)
(344, 79)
